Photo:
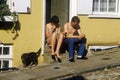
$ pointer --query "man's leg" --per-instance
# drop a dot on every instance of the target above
(70, 44)
(81, 48)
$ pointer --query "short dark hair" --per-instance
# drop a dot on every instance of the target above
(54, 19)
(75, 19)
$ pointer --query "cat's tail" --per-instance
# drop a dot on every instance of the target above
(38, 52)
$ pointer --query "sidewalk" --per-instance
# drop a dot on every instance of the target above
(56, 71)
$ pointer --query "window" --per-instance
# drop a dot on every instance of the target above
(19, 6)
(99, 8)
(105, 6)
(5, 56)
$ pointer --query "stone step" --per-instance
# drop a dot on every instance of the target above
(47, 54)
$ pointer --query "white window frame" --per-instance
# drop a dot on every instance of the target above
(72, 9)
(6, 57)
(107, 12)
(115, 14)
(86, 8)
(19, 6)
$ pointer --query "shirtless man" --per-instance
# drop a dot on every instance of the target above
(72, 35)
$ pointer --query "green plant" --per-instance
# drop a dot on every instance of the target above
(14, 22)
(4, 9)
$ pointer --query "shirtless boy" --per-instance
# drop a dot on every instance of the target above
(72, 35)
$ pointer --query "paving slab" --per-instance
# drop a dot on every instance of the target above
(56, 71)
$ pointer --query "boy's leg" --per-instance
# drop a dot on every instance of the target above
(81, 48)
(70, 44)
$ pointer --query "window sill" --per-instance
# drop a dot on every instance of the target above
(103, 16)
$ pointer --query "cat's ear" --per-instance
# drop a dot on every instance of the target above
(38, 53)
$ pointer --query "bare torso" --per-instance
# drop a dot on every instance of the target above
(50, 30)
(70, 31)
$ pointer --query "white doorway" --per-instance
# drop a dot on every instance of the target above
(64, 9)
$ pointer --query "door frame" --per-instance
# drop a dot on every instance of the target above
(72, 9)
(72, 12)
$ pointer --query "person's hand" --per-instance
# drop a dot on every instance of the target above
(81, 36)
(64, 33)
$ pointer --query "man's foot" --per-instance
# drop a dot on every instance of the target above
(83, 58)
(71, 60)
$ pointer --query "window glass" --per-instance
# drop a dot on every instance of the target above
(5, 64)
(112, 5)
(2, 1)
(0, 50)
(5, 50)
(95, 7)
(105, 5)
(0, 64)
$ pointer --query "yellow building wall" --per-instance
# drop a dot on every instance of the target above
(102, 31)
(30, 34)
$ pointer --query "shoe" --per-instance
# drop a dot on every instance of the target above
(71, 60)
(59, 60)
(83, 58)
(53, 57)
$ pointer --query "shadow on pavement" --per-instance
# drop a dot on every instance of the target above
(76, 78)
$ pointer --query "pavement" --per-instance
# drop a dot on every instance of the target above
(66, 70)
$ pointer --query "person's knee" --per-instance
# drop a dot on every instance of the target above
(61, 36)
(84, 40)
(54, 34)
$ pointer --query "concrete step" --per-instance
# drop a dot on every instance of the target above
(47, 58)
(47, 54)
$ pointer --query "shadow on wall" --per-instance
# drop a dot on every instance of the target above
(10, 26)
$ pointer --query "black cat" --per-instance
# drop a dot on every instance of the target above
(30, 58)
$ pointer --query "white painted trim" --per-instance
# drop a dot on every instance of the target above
(7, 57)
(104, 16)
(10, 3)
(118, 7)
(107, 14)
(84, 7)
(10, 62)
(72, 9)
(72, 12)
(43, 27)
(10, 18)
(102, 47)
